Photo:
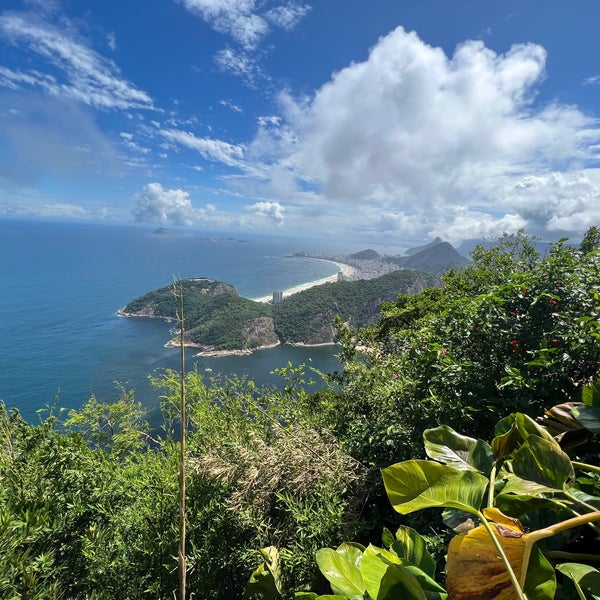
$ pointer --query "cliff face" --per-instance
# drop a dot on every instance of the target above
(260, 332)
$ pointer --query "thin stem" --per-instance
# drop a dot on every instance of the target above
(585, 466)
(540, 534)
(571, 556)
(490, 502)
(182, 442)
(503, 557)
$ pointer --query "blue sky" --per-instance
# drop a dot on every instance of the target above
(391, 121)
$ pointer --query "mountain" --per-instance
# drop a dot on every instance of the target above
(433, 258)
(417, 249)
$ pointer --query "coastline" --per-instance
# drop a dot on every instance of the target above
(347, 270)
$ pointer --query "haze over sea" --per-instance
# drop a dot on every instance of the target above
(62, 284)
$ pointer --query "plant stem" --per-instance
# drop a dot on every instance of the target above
(585, 466)
(503, 557)
(490, 501)
(182, 441)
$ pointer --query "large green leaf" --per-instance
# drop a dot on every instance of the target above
(417, 484)
(513, 430)
(540, 582)
(543, 462)
(411, 546)
(586, 577)
(263, 582)
(459, 451)
(385, 581)
(590, 394)
(433, 590)
(352, 551)
(589, 417)
(345, 578)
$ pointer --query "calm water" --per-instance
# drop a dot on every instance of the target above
(61, 285)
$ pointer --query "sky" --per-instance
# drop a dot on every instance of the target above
(388, 120)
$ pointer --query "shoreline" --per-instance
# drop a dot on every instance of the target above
(348, 271)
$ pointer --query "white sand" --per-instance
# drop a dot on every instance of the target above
(347, 271)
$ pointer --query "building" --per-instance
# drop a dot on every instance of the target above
(277, 297)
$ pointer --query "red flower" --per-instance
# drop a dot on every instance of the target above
(552, 302)
(514, 342)
(442, 352)
(513, 313)
(395, 376)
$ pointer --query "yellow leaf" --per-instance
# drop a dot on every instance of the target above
(474, 569)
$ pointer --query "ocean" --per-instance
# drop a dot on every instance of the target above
(61, 285)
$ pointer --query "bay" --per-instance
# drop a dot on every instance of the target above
(61, 285)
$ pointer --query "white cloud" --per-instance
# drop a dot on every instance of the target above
(271, 210)
(288, 15)
(154, 204)
(244, 20)
(231, 106)
(240, 64)
(210, 149)
(562, 202)
(414, 133)
(81, 73)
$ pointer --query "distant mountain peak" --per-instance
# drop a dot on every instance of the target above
(416, 249)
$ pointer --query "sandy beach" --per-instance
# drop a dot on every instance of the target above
(347, 270)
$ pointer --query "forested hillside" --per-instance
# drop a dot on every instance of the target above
(467, 375)
(217, 318)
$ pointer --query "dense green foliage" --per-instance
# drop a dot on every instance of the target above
(302, 317)
(217, 318)
(527, 525)
(88, 505)
(513, 332)
(90, 511)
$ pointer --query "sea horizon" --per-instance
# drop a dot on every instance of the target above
(63, 283)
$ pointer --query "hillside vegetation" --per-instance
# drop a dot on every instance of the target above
(217, 318)
(467, 375)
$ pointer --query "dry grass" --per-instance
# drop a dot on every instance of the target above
(294, 461)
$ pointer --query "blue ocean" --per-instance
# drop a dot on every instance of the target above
(61, 287)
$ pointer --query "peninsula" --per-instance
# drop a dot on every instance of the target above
(220, 321)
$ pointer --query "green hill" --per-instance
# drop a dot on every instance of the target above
(218, 319)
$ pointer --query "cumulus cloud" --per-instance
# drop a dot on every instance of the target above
(270, 210)
(154, 204)
(80, 72)
(245, 20)
(562, 202)
(414, 132)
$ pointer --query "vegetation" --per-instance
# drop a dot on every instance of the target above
(523, 472)
(219, 319)
(89, 503)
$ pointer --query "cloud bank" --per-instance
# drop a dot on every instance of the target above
(412, 135)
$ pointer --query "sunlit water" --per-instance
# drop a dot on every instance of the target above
(61, 287)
